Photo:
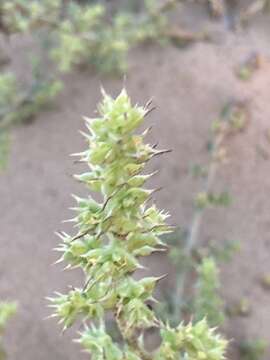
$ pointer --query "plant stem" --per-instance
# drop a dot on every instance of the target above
(195, 225)
(132, 340)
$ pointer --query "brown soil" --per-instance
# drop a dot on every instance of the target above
(190, 86)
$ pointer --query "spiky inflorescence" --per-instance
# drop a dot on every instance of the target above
(111, 237)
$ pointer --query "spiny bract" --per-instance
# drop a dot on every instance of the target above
(111, 237)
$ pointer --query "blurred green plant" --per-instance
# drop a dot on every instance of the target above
(207, 302)
(88, 37)
(111, 237)
(86, 34)
(253, 349)
(18, 105)
(193, 263)
(83, 33)
(24, 105)
(7, 310)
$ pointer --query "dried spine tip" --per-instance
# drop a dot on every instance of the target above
(111, 237)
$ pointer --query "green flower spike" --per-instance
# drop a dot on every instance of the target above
(111, 237)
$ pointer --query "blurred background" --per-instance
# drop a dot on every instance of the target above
(206, 64)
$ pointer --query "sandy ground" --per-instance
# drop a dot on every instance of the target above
(190, 86)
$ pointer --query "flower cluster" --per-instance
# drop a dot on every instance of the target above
(112, 236)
